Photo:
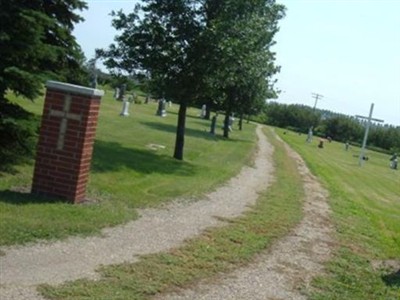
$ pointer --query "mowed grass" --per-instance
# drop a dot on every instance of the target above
(217, 250)
(126, 173)
(366, 212)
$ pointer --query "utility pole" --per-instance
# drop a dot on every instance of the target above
(317, 97)
(369, 118)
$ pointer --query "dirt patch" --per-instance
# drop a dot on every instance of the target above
(390, 265)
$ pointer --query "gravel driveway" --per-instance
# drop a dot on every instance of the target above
(22, 268)
(286, 268)
(279, 273)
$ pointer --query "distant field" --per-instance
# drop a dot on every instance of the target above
(126, 173)
(366, 212)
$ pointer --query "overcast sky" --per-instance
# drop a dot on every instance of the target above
(346, 50)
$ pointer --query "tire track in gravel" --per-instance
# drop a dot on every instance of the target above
(289, 265)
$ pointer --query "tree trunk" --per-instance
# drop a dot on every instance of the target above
(180, 132)
(208, 110)
(241, 122)
(228, 111)
(226, 124)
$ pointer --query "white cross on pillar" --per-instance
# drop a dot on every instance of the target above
(65, 116)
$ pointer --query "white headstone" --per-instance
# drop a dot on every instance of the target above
(203, 111)
(125, 108)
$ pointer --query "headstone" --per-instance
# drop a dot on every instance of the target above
(309, 135)
(122, 90)
(66, 139)
(203, 111)
(161, 108)
(213, 124)
(393, 161)
(93, 80)
(93, 75)
(230, 124)
(125, 108)
(116, 93)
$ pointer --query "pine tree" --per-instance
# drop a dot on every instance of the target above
(36, 43)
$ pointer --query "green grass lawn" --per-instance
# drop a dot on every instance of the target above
(126, 174)
(366, 212)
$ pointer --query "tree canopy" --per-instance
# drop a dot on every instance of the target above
(240, 61)
(339, 127)
(199, 49)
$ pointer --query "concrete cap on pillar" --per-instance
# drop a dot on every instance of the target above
(72, 88)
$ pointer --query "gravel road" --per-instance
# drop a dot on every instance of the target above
(287, 268)
(22, 268)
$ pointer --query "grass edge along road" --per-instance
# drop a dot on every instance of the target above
(366, 213)
(217, 250)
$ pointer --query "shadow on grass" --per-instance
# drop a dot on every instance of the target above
(197, 133)
(23, 197)
(392, 279)
(111, 156)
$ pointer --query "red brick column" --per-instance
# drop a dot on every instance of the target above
(67, 133)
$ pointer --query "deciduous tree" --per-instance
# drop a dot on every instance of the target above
(239, 57)
(161, 38)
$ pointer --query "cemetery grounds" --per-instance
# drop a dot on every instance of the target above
(364, 202)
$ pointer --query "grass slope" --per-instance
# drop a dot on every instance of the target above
(366, 211)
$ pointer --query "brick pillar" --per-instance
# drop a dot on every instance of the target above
(67, 133)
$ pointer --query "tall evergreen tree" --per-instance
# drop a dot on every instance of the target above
(36, 42)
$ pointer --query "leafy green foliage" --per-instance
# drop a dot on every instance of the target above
(194, 51)
(337, 126)
(36, 43)
(298, 117)
(18, 135)
(239, 63)
(160, 39)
